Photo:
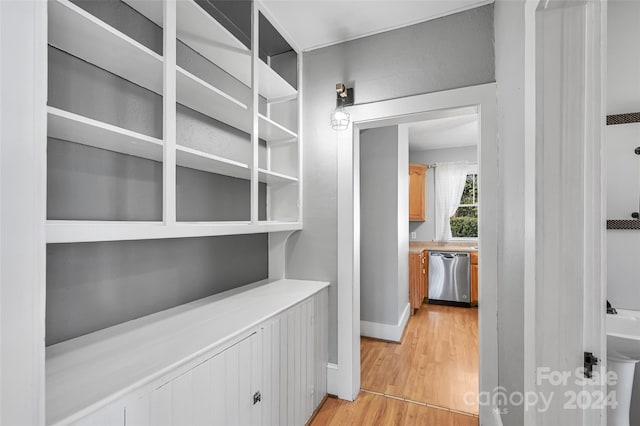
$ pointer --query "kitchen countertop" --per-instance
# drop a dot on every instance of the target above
(466, 246)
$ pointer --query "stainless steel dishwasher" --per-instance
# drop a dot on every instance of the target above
(449, 278)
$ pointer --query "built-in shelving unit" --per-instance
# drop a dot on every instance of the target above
(201, 32)
(77, 32)
(128, 123)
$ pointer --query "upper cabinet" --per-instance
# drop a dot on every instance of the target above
(417, 192)
(205, 101)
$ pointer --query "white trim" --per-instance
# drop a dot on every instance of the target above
(255, 120)
(23, 167)
(333, 378)
(497, 418)
(529, 193)
(169, 206)
(482, 99)
(392, 333)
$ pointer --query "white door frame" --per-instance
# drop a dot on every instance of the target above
(344, 378)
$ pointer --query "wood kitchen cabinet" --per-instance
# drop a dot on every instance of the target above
(417, 279)
(417, 188)
(474, 278)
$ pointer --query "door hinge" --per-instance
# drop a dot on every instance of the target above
(257, 397)
(589, 361)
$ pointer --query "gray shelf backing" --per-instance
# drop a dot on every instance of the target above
(91, 286)
(82, 88)
(274, 46)
(127, 20)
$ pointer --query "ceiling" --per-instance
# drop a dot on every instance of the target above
(449, 132)
(318, 23)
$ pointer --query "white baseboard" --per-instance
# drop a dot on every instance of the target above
(333, 379)
(389, 332)
(497, 418)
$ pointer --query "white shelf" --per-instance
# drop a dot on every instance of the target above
(194, 159)
(201, 96)
(73, 231)
(274, 178)
(79, 33)
(200, 31)
(271, 131)
(271, 85)
(86, 131)
(197, 94)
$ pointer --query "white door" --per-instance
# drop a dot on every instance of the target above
(565, 287)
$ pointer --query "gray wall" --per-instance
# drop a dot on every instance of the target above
(379, 201)
(95, 285)
(91, 286)
(426, 231)
(453, 51)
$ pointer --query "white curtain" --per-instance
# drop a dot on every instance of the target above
(450, 180)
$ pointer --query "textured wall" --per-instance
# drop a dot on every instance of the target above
(426, 231)
(450, 52)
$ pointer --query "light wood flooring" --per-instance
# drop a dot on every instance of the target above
(372, 409)
(432, 369)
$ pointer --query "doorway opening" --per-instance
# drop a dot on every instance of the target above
(419, 261)
(345, 378)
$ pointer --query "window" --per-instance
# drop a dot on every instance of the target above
(464, 223)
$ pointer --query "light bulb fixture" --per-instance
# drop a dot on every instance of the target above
(340, 118)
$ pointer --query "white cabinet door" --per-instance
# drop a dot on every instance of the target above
(236, 380)
(219, 391)
(292, 364)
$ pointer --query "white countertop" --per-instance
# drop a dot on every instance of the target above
(91, 371)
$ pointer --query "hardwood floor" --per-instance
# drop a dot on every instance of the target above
(419, 381)
(436, 363)
(372, 409)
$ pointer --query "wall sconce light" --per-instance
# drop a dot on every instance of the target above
(340, 118)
